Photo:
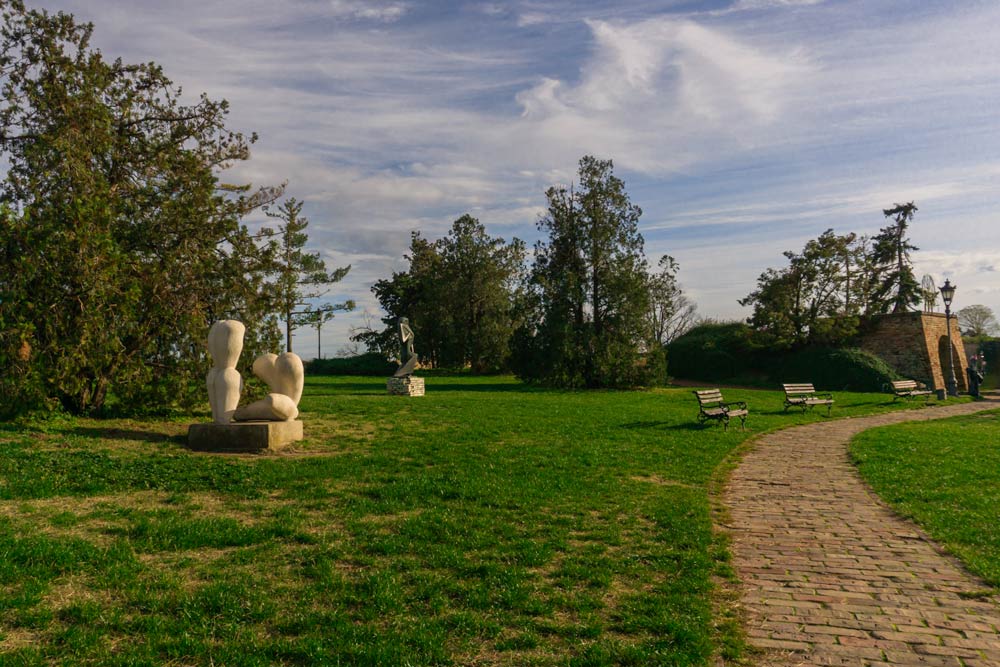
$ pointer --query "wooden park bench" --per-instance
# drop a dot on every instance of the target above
(711, 406)
(805, 396)
(908, 389)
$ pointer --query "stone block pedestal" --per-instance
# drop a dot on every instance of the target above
(405, 386)
(253, 436)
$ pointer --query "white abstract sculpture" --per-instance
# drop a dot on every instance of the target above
(285, 376)
(283, 373)
(225, 342)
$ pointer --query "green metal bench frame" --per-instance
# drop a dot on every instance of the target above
(804, 395)
(908, 389)
(712, 406)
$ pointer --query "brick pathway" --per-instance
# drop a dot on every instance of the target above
(831, 576)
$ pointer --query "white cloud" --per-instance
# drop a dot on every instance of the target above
(368, 10)
(659, 93)
(747, 5)
(528, 19)
(490, 8)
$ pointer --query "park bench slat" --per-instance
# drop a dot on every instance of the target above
(712, 406)
(908, 389)
(804, 395)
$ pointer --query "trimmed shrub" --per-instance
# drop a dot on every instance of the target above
(831, 369)
(725, 352)
(712, 351)
(369, 363)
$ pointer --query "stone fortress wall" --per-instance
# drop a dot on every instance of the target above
(915, 346)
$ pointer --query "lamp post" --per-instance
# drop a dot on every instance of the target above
(947, 294)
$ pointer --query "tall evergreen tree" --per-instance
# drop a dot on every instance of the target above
(414, 294)
(482, 275)
(897, 288)
(590, 325)
(299, 276)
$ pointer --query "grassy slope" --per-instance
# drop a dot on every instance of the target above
(485, 523)
(944, 475)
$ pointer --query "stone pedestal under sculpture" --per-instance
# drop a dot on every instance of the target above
(249, 437)
(405, 386)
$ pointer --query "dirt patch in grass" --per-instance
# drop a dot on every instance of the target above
(122, 436)
(74, 589)
(662, 481)
(394, 518)
(12, 639)
(201, 504)
(100, 519)
(488, 655)
(332, 436)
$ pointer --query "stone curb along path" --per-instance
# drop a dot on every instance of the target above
(831, 576)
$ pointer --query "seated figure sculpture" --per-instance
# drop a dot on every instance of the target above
(284, 375)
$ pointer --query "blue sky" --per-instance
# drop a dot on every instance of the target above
(742, 128)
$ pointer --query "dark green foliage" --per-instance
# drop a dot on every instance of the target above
(713, 351)
(587, 317)
(461, 295)
(485, 274)
(370, 363)
(809, 302)
(726, 352)
(835, 369)
(118, 245)
(828, 290)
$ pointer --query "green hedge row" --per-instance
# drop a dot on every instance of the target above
(847, 369)
(369, 363)
(726, 352)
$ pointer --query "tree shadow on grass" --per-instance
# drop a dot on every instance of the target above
(125, 434)
(349, 389)
(373, 389)
(644, 424)
(695, 426)
(674, 426)
(498, 387)
(859, 404)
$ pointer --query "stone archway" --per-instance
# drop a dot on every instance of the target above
(943, 360)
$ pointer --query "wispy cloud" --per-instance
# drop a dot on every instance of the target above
(747, 5)
(532, 18)
(368, 10)
(770, 123)
(659, 93)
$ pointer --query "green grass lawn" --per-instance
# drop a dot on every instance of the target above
(945, 476)
(485, 523)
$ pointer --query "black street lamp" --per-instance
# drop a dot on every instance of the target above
(947, 294)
